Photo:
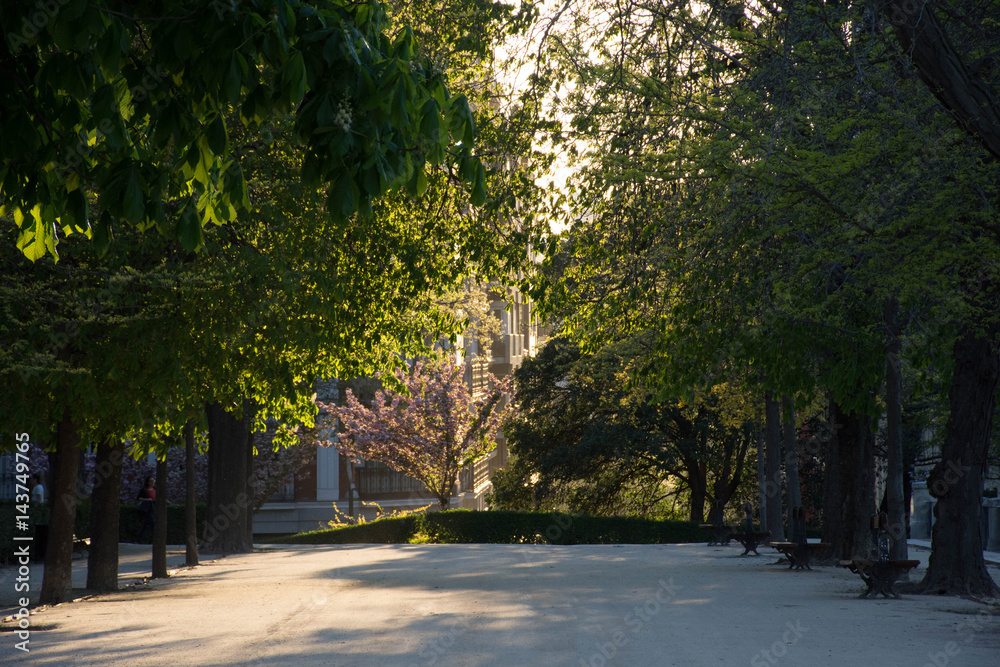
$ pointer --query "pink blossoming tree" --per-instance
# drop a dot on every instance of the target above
(430, 432)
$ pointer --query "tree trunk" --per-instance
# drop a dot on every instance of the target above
(851, 501)
(956, 563)
(57, 582)
(772, 487)
(190, 497)
(761, 480)
(227, 519)
(102, 561)
(833, 492)
(793, 490)
(160, 527)
(895, 504)
(698, 495)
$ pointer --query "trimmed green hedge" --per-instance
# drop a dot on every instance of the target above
(504, 527)
(395, 530)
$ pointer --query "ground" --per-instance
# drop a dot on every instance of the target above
(478, 605)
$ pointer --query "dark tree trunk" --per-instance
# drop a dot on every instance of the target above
(851, 501)
(734, 462)
(57, 582)
(102, 561)
(698, 495)
(956, 563)
(227, 520)
(160, 527)
(190, 497)
(833, 492)
(761, 478)
(895, 503)
(794, 491)
(772, 487)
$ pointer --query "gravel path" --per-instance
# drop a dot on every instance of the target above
(478, 605)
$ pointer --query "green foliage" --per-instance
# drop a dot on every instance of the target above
(130, 106)
(753, 186)
(499, 527)
(392, 530)
(588, 436)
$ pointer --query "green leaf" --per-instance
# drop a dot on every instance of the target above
(294, 78)
(430, 120)
(102, 234)
(76, 207)
(189, 229)
(132, 199)
(342, 197)
(217, 139)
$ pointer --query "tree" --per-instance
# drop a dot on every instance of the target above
(135, 129)
(589, 436)
(430, 428)
(127, 104)
(766, 181)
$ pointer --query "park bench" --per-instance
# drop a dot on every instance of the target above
(719, 533)
(800, 551)
(879, 572)
(748, 537)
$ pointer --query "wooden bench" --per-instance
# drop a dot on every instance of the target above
(748, 537)
(879, 575)
(800, 554)
(879, 571)
(751, 539)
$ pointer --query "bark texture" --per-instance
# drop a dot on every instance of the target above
(794, 491)
(956, 563)
(894, 492)
(102, 560)
(57, 582)
(160, 527)
(190, 498)
(228, 519)
(849, 498)
(772, 487)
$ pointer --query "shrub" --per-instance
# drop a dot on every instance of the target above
(506, 527)
(390, 530)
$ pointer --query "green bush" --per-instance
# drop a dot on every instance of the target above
(506, 527)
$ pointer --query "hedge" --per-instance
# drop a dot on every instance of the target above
(394, 530)
(505, 527)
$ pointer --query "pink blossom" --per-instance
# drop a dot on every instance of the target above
(429, 434)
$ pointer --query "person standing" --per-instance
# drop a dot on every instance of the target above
(37, 491)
